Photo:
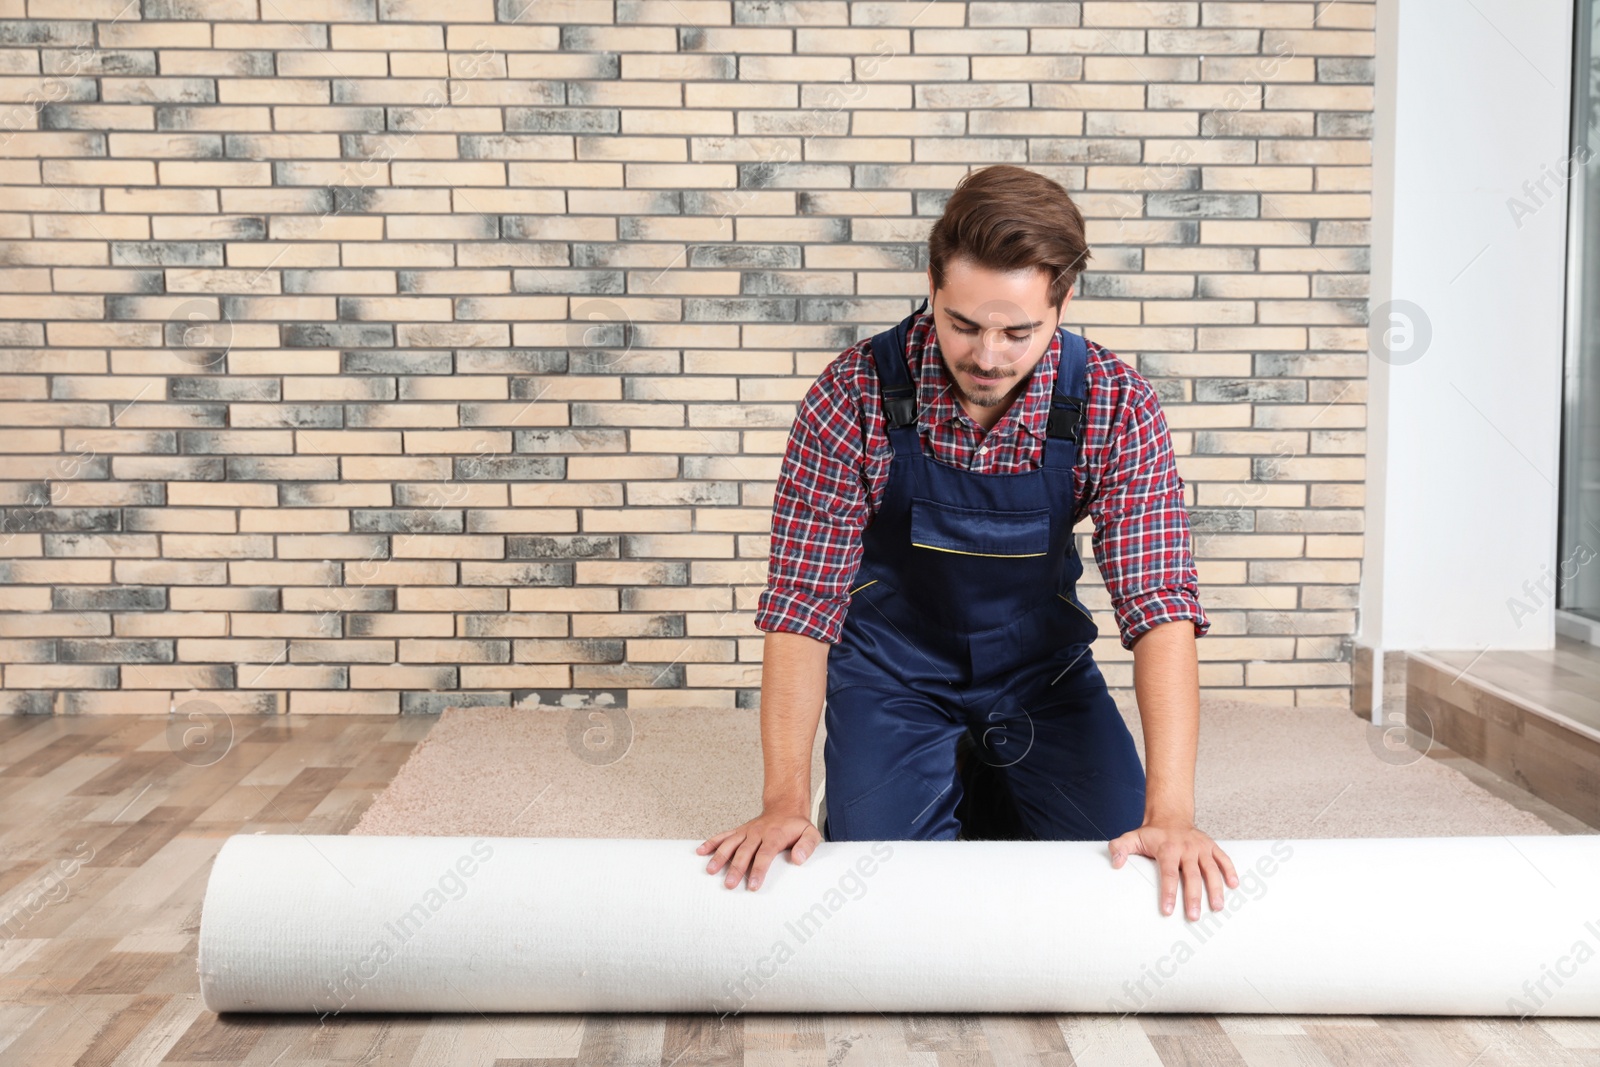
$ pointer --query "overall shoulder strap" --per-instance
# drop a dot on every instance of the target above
(1068, 402)
(894, 379)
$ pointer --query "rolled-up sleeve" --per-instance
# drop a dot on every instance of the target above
(820, 507)
(1141, 528)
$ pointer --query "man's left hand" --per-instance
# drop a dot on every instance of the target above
(1177, 846)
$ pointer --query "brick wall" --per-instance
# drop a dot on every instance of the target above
(376, 357)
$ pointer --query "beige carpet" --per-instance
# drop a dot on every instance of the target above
(1263, 773)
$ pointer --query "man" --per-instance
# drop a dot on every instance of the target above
(922, 574)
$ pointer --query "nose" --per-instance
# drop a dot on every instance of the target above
(992, 358)
(998, 347)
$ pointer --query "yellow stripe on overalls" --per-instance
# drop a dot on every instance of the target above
(997, 555)
(1081, 611)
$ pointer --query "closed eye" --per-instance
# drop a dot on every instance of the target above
(1012, 336)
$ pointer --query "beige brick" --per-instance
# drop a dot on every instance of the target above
(1088, 41)
(540, 495)
(1311, 312)
(1140, 14)
(541, 675)
(887, 124)
(129, 33)
(1304, 571)
(1296, 15)
(705, 546)
(61, 677)
(208, 650)
(1284, 674)
(1203, 41)
(1241, 441)
(1327, 546)
(308, 91)
(121, 702)
(98, 172)
(613, 625)
(628, 467)
(1251, 546)
(752, 572)
(1348, 152)
(679, 650)
(1342, 179)
(1329, 42)
(1319, 468)
(558, 599)
(452, 336)
(1278, 65)
(1255, 286)
(1200, 311)
(626, 572)
(680, 698)
(630, 520)
(1141, 124)
(408, 468)
(1332, 15)
(1320, 205)
(343, 703)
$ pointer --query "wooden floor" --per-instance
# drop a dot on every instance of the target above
(108, 826)
(1563, 682)
(1531, 717)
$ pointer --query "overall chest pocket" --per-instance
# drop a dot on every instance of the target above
(975, 532)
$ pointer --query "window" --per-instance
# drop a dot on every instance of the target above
(1579, 585)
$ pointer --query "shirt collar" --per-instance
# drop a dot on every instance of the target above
(936, 396)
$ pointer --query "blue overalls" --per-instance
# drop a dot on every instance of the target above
(964, 620)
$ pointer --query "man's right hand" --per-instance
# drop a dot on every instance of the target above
(760, 840)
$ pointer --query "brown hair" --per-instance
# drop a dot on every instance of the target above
(1007, 218)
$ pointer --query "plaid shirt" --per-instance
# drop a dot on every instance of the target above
(836, 466)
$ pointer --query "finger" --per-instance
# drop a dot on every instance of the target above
(724, 850)
(741, 860)
(1168, 862)
(1124, 846)
(712, 842)
(1191, 886)
(1213, 877)
(809, 840)
(758, 869)
(1227, 867)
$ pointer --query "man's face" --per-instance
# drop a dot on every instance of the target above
(992, 328)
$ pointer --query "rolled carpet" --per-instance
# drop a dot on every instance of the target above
(1428, 926)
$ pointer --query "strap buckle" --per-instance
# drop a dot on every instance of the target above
(900, 405)
(1066, 417)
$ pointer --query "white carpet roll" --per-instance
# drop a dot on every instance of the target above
(1447, 926)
